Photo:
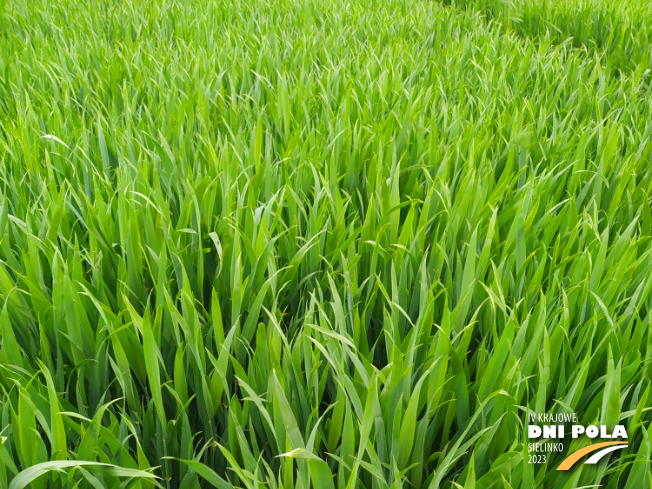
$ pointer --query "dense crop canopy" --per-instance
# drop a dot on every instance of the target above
(321, 243)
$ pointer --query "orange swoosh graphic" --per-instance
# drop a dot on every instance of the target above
(575, 456)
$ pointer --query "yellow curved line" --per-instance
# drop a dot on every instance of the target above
(575, 456)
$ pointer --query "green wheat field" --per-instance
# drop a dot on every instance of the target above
(329, 244)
